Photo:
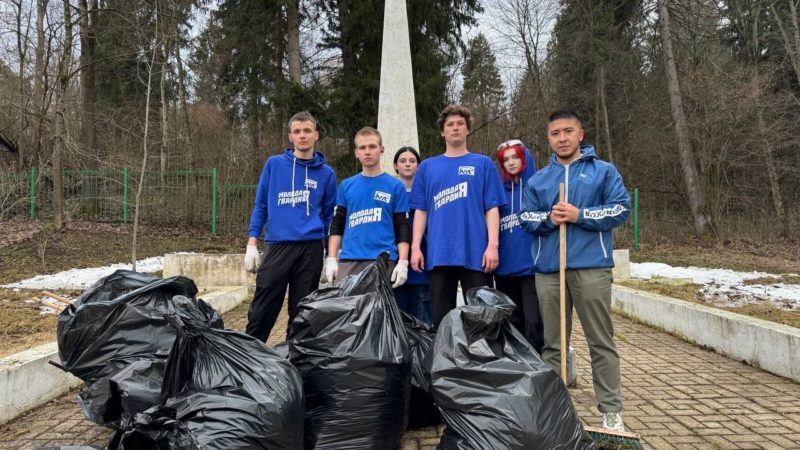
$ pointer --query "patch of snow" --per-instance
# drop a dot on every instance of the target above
(84, 278)
(726, 287)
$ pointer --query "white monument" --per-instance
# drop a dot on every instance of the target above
(397, 116)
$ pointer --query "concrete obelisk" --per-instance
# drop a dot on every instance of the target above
(397, 116)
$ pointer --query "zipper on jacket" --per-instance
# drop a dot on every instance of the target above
(538, 250)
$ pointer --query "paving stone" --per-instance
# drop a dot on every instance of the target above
(676, 396)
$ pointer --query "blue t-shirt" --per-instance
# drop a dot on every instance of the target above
(456, 192)
(369, 227)
(415, 277)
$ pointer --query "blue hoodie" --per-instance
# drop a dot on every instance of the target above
(515, 243)
(295, 198)
(596, 189)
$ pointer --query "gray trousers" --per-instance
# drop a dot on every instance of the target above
(589, 290)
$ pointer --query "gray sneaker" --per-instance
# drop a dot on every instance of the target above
(613, 421)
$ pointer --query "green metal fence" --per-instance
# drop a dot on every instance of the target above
(180, 197)
(188, 197)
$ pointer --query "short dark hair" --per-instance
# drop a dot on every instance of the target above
(303, 116)
(565, 114)
(455, 110)
(402, 150)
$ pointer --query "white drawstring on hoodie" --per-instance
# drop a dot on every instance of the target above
(305, 186)
(511, 229)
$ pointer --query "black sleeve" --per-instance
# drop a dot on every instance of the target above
(402, 231)
(337, 224)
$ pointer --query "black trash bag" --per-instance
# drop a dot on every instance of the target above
(422, 412)
(350, 346)
(492, 388)
(222, 389)
(282, 349)
(125, 319)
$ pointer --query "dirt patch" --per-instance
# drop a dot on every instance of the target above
(22, 325)
(778, 258)
(89, 245)
(691, 292)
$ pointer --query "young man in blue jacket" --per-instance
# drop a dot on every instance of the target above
(596, 202)
(295, 198)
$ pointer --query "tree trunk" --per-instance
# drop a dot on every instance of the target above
(38, 84)
(144, 147)
(162, 147)
(791, 43)
(348, 55)
(22, 52)
(87, 20)
(186, 130)
(293, 25)
(604, 112)
(691, 178)
(61, 119)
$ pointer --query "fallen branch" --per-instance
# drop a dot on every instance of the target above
(57, 297)
(59, 307)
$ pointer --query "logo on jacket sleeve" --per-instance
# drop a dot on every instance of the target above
(603, 213)
(311, 184)
(533, 216)
(383, 197)
(466, 170)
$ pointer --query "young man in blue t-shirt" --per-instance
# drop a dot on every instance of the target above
(295, 197)
(371, 217)
(456, 195)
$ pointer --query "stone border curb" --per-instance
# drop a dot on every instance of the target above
(767, 345)
(28, 381)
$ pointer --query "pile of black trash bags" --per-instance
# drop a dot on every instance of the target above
(355, 373)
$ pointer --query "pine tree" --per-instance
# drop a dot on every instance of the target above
(482, 92)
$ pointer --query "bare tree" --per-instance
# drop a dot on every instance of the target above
(62, 138)
(87, 20)
(791, 37)
(39, 82)
(137, 202)
(691, 177)
(22, 53)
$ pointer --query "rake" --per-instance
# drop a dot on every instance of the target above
(605, 439)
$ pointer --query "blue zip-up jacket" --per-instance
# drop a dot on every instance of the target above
(593, 186)
(515, 243)
(295, 198)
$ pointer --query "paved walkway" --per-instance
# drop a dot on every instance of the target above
(677, 396)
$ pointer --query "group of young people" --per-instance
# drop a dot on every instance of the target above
(454, 218)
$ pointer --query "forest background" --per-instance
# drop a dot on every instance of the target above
(697, 102)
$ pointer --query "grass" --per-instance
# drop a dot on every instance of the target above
(81, 245)
(91, 248)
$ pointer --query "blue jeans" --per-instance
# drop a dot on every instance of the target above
(415, 299)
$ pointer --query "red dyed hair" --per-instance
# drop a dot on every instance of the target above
(517, 147)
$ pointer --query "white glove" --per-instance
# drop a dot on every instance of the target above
(331, 267)
(400, 273)
(251, 258)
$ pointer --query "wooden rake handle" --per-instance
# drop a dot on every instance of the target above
(562, 285)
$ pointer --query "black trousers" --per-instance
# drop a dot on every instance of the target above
(296, 264)
(443, 281)
(526, 317)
